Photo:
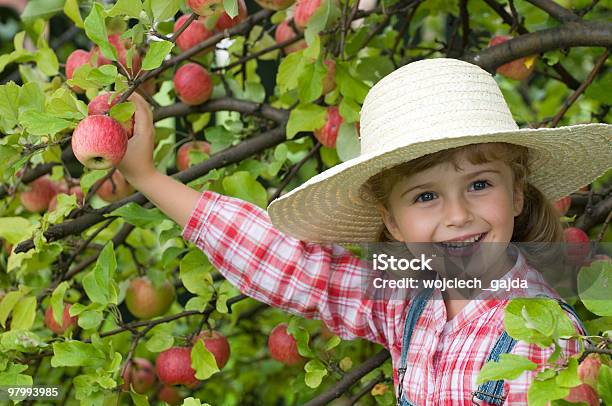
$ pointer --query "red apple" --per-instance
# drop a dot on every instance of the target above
(283, 33)
(195, 33)
(38, 194)
(170, 395)
(144, 300)
(283, 347)
(122, 51)
(588, 370)
(583, 393)
(77, 58)
(329, 81)
(304, 9)
(206, 8)
(115, 188)
(578, 245)
(99, 142)
(329, 132)
(182, 155)
(225, 22)
(518, 69)
(100, 105)
(275, 4)
(173, 367)
(193, 84)
(217, 344)
(562, 205)
(140, 374)
(75, 190)
(67, 321)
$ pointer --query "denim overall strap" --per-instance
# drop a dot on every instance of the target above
(416, 309)
(492, 391)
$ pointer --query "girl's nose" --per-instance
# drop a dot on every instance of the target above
(457, 212)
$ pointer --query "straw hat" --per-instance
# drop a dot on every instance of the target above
(421, 108)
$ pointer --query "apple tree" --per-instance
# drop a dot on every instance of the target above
(101, 296)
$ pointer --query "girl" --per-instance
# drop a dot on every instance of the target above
(441, 160)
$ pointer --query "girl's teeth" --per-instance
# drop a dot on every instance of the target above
(464, 243)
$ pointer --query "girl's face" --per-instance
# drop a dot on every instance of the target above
(441, 204)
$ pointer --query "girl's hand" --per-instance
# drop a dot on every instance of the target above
(138, 159)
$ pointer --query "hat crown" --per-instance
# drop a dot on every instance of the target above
(429, 100)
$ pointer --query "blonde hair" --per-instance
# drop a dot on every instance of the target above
(537, 223)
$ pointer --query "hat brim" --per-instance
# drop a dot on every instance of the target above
(328, 208)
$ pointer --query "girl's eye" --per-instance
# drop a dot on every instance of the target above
(427, 195)
(481, 182)
(424, 194)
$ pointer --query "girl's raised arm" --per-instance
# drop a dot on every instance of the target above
(306, 279)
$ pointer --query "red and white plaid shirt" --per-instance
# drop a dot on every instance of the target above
(324, 281)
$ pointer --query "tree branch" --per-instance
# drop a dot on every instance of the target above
(350, 379)
(225, 104)
(555, 10)
(231, 155)
(574, 34)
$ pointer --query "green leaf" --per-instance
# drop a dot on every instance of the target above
(138, 399)
(231, 7)
(75, 353)
(40, 123)
(333, 342)
(8, 303)
(315, 371)
(158, 50)
(103, 76)
(88, 179)
(289, 71)
(594, 284)
(71, 9)
(15, 229)
(604, 384)
(123, 111)
(347, 143)
(542, 391)
(195, 273)
(305, 117)
(90, 319)
(21, 340)
(244, 186)
(139, 216)
(310, 83)
(47, 62)
(302, 338)
(349, 85)
(57, 301)
(130, 8)
(160, 341)
(203, 361)
(44, 9)
(569, 377)
(9, 105)
(99, 283)
(13, 376)
(24, 314)
(509, 366)
(95, 29)
(165, 9)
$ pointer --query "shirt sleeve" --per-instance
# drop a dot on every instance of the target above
(517, 389)
(320, 281)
